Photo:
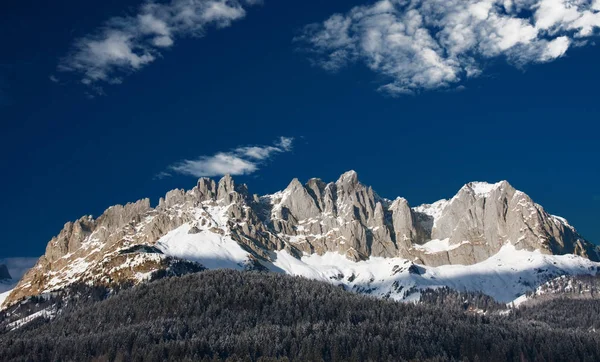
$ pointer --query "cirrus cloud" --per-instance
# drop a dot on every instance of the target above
(242, 160)
(429, 44)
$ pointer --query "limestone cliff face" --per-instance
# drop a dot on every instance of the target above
(483, 217)
(317, 217)
(118, 247)
(345, 216)
(350, 218)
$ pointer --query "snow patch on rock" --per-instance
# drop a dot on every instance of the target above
(438, 246)
(484, 188)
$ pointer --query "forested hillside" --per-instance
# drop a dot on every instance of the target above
(219, 315)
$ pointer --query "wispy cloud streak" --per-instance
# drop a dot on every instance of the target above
(243, 160)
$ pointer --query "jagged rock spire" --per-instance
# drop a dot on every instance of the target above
(344, 216)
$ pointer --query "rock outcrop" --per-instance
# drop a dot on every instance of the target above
(345, 216)
(483, 217)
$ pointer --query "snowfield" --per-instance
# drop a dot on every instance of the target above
(210, 249)
(4, 295)
(436, 246)
(506, 276)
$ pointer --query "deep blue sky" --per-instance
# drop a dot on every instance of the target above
(65, 156)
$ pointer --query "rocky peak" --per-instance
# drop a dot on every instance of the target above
(354, 199)
(344, 216)
(294, 185)
(483, 217)
(119, 215)
(228, 192)
(225, 187)
(379, 217)
(405, 226)
(485, 189)
(316, 189)
(207, 189)
(399, 203)
(172, 198)
(316, 185)
(348, 180)
(477, 221)
(225, 192)
(70, 238)
(299, 202)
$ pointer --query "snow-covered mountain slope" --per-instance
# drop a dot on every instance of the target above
(488, 237)
(6, 286)
(505, 276)
(4, 295)
(212, 250)
(576, 286)
(11, 271)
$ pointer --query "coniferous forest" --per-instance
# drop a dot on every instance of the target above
(253, 316)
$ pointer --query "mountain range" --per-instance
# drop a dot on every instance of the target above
(489, 237)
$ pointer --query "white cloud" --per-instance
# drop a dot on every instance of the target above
(217, 165)
(556, 48)
(242, 160)
(162, 175)
(430, 44)
(126, 44)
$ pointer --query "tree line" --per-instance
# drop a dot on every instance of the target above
(254, 316)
